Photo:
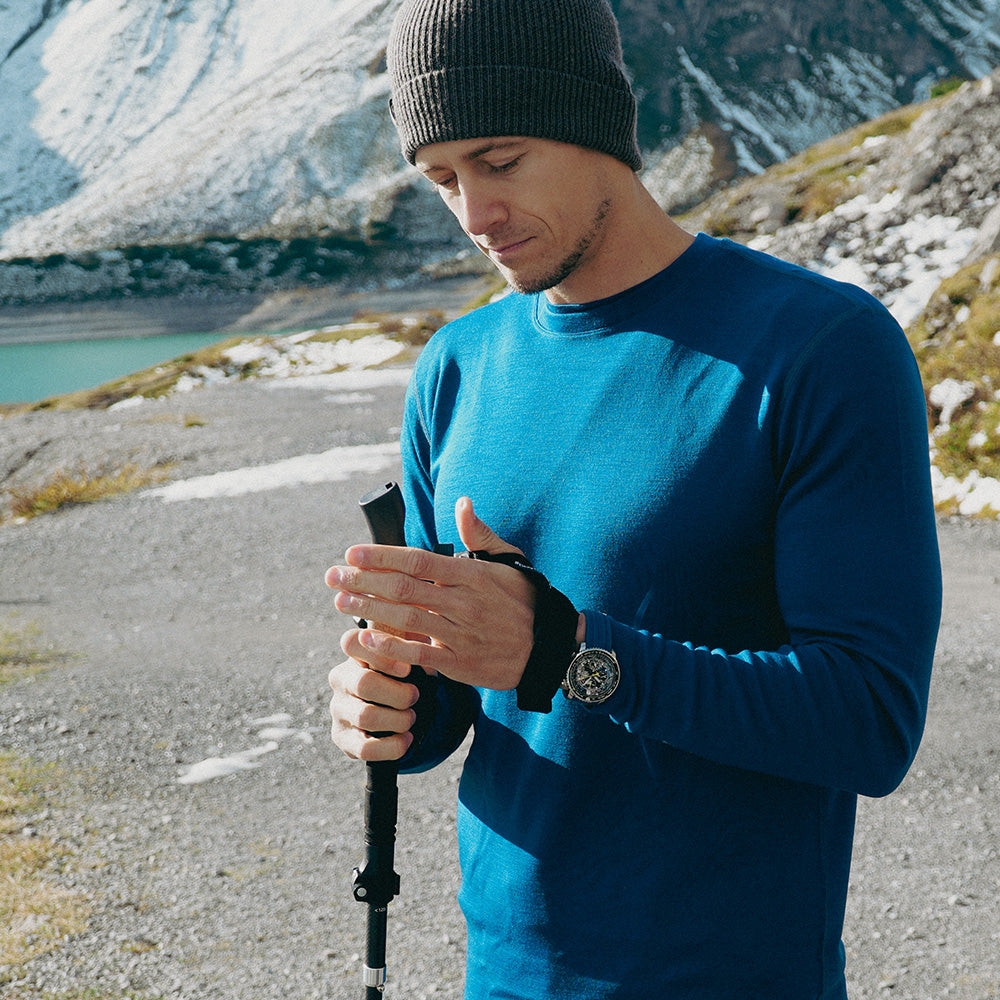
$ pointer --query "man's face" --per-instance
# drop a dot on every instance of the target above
(538, 209)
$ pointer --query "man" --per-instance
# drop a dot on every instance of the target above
(717, 465)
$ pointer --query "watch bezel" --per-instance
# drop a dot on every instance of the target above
(573, 690)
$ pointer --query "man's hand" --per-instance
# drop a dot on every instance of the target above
(467, 619)
(476, 617)
(367, 701)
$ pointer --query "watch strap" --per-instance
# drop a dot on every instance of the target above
(553, 636)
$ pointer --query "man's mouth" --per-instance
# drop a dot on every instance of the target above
(505, 250)
(510, 246)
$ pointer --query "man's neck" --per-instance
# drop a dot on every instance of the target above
(642, 241)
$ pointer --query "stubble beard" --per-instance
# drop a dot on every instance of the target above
(527, 285)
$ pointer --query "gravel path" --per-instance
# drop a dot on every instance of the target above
(193, 628)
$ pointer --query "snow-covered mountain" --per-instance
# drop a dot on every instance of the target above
(155, 141)
(137, 121)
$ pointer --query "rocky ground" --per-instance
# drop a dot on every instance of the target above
(201, 628)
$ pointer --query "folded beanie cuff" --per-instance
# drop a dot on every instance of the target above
(447, 105)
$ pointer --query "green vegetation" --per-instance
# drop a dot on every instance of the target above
(811, 183)
(957, 339)
(411, 330)
(151, 382)
(947, 86)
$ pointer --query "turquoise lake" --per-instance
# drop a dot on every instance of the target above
(33, 371)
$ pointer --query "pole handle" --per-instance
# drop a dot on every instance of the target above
(385, 513)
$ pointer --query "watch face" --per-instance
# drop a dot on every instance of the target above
(593, 676)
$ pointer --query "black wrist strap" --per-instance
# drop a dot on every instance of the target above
(554, 636)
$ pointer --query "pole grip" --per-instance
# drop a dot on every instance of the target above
(386, 515)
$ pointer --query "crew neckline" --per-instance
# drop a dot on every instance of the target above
(608, 314)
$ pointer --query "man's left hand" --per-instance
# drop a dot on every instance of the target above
(477, 616)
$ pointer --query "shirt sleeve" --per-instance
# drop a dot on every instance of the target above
(858, 584)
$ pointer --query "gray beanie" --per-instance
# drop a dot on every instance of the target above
(551, 69)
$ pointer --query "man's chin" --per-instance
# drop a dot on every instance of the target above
(527, 284)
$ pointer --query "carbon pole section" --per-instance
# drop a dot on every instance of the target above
(377, 883)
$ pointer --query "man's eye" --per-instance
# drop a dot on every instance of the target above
(507, 165)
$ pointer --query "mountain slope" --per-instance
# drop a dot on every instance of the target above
(126, 123)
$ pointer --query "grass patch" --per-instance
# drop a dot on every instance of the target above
(412, 329)
(947, 86)
(36, 916)
(957, 339)
(21, 652)
(66, 488)
(812, 183)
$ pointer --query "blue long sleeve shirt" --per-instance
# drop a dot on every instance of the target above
(726, 468)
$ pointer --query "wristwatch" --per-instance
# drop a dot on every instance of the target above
(593, 675)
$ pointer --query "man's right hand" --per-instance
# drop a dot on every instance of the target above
(368, 700)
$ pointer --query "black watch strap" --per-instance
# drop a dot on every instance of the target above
(554, 636)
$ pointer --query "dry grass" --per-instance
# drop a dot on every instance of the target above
(413, 330)
(65, 488)
(811, 183)
(150, 382)
(21, 652)
(957, 337)
(35, 914)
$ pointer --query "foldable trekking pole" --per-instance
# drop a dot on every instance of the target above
(377, 883)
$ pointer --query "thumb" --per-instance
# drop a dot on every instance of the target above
(475, 534)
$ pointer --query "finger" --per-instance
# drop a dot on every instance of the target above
(360, 745)
(399, 588)
(354, 718)
(356, 682)
(418, 563)
(398, 654)
(353, 724)
(373, 648)
(398, 619)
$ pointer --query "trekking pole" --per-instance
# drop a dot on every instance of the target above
(377, 883)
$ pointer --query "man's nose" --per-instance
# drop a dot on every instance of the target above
(480, 209)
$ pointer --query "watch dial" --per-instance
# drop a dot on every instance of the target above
(594, 675)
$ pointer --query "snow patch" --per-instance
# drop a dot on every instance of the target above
(334, 465)
(272, 729)
(976, 494)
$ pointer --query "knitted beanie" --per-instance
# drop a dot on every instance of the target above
(551, 69)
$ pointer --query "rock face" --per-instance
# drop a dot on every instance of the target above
(253, 134)
(778, 77)
(895, 205)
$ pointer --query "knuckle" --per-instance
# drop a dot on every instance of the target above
(419, 564)
(406, 589)
(370, 686)
(412, 619)
(335, 677)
